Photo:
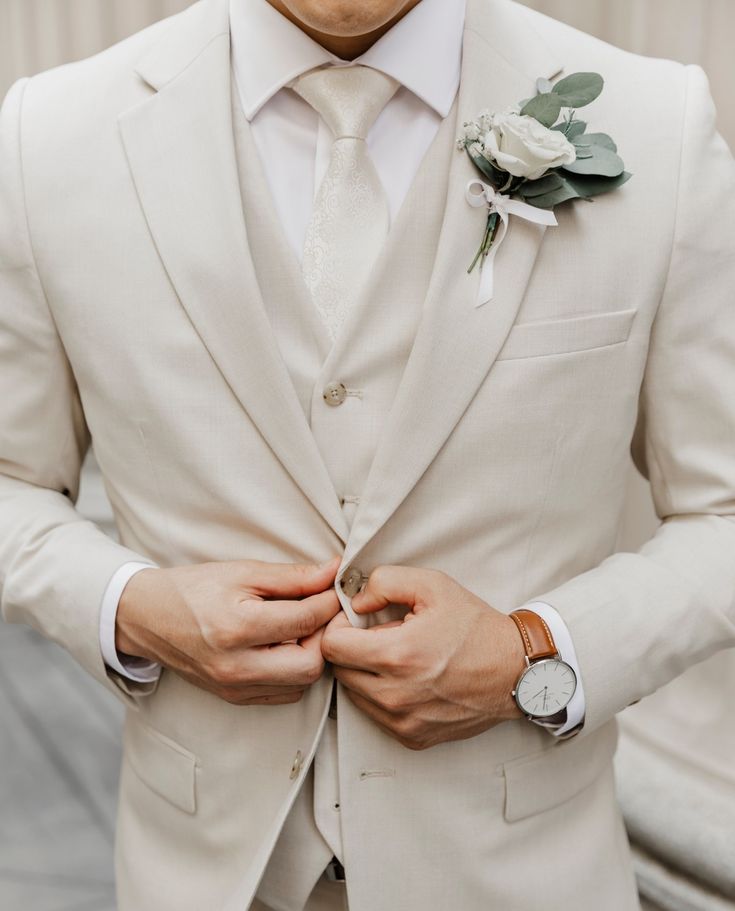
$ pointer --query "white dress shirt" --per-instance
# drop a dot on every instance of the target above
(423, 53)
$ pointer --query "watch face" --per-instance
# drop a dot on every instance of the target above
(545, 688)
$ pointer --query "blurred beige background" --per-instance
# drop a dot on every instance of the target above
(59, 733)
(38, 34)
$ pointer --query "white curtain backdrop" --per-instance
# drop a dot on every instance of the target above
(37, 34)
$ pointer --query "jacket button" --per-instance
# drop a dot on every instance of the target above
(352, 581)
(334, 394)
(298, 762)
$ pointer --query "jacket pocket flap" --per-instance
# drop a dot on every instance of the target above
(162, 764)
(548, 779)
(561, 336)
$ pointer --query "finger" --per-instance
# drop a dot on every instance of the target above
(390, 585)
(238, 695)
(270, 622)
(342, 621)
(365, 683)
(364, 649)
(313, 643)
(257, 691)
(285, 665)
(288, 580)
(289, 699)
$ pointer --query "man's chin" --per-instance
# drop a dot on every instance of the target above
(344, 18)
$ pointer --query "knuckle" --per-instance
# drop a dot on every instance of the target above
(393, 658)
(328, 645)
(300, 575)
(381, 574)
(438, 579)
(408, 728)
(226, 673)
(313, 669)
(410, 656)
(223, 638)
(392, 702)
(231, 695)
(305, 622)
(248, 568)
(417, 746)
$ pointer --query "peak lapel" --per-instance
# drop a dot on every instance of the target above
(180, 148)
(457, 343)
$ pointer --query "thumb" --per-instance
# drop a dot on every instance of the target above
(388, 585)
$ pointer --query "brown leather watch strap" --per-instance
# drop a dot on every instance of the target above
(536, 635)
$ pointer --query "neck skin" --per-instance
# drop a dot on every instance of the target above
(347, 47)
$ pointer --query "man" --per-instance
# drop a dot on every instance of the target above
(233, 253)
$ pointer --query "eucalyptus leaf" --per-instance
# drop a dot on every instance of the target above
(600, 139)
(545, 108)
(579, 89)
(571, 130)
(496, 177)
(555, 197)
(552, 180)
(602, 162)
(583, 152)
(543, 86)
(589, 185)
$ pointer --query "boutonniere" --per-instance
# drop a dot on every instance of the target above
(535, 161)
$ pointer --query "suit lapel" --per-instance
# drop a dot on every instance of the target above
(457, 343)
(180, 148)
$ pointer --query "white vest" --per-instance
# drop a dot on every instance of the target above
(371, 374)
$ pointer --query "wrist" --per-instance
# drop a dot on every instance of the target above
(131, 632)
(514, 664)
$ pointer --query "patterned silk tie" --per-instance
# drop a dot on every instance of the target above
(351, 218)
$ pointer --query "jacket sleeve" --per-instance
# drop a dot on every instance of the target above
(640, 619)
(54, 564)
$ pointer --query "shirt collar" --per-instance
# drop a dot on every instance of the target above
(423, 52)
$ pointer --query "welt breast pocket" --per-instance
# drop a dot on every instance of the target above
(585, 332)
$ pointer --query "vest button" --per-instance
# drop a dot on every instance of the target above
(298, 762)
(334, 394)
(352, 581)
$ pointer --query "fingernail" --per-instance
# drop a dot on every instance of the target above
(327, 563)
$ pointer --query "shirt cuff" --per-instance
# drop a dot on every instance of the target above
(138, 670)
(562, 638)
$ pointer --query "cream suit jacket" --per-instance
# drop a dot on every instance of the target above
(130, 313)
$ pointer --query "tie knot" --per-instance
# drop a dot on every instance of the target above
(348, 98)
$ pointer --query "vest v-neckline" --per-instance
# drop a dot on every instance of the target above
(402, 222)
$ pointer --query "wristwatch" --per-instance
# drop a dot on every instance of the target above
(547, 684)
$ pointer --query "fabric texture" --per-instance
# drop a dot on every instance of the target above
(502, 458)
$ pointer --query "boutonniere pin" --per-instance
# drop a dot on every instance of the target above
(533, 161)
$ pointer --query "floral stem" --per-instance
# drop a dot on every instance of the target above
(488, 237)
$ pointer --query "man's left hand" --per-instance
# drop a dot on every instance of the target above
(445, 672)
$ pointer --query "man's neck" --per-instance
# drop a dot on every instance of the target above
(346, 47)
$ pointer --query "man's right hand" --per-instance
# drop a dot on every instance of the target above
(247, 631)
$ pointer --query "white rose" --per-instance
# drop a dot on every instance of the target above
(524, 147)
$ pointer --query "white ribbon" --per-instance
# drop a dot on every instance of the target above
(479, 193)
